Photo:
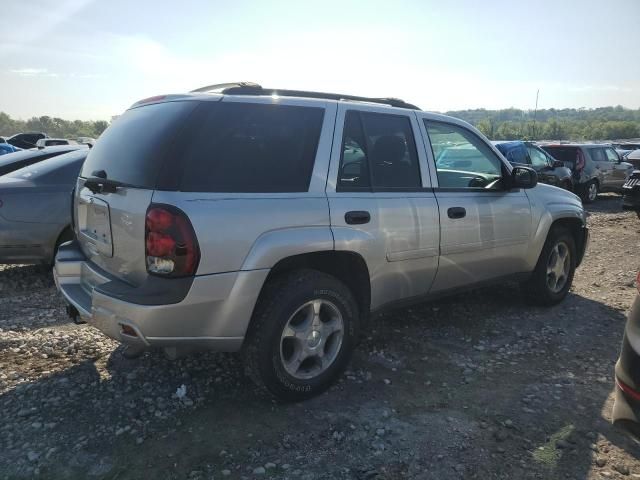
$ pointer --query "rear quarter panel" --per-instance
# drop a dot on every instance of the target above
(252, 231)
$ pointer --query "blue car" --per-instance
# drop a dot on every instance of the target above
(7, 148)
(549, 170)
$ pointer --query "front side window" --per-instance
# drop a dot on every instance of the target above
(538, 158)
(378, 153)
(612, 156)
(462, 159)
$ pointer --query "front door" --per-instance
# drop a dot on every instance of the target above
(618, 168)
(380, 206)
(485, 229)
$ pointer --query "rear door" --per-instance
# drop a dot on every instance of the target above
(485, 229)
(604, 168)
(380, 201)
(133, 150)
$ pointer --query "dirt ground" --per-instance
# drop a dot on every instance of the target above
(475, 386)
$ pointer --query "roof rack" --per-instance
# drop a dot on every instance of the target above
(249, 88)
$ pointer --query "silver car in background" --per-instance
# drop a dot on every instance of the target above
(35, 208)
(276, 222)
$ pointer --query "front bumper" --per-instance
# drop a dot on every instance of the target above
(631, 192)
(582, 245)
(214, 313)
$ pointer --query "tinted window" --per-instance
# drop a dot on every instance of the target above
(132, 149)
(538, 157)
(354, 164)
(245, 147)
(60, 169)
(564, 154)
(463, 160)
(378, 149)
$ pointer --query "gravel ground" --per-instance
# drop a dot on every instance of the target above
(475, 386)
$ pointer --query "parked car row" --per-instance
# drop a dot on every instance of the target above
(27, 141)
(595, 168)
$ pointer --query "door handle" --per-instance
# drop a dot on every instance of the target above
(457, 212)
(357, 217)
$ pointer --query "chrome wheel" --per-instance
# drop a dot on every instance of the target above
(311, 339)
(592, 191)
(558, 267)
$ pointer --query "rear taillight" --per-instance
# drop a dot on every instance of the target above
(638, 282)
(171, 245)
(579, 160)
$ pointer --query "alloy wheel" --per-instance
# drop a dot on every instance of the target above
(311, 339)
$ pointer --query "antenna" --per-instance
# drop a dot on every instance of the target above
(535, 114)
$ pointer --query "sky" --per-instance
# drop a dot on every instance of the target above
(90, 59)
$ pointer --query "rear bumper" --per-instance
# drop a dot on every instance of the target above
(626, 409)
(214, 312)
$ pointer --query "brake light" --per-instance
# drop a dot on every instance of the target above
(638, 282)
(171, 245)
(579, 160)
(628, 390)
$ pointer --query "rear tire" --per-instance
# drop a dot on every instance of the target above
(590, 192)
(302, 334)
(552, 278)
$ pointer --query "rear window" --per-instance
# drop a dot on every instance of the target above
(564, 154)
(246, 147)
(133, 148)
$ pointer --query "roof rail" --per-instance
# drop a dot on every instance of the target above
(249, 88)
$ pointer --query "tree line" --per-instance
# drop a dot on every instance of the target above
(53, 126)
(606, 123)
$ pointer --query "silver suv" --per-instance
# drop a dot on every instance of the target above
(238, 218)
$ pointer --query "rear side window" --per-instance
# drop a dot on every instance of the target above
(564, 154)
(251, 148)
(132, 149)
(380, 150)
(597, 154)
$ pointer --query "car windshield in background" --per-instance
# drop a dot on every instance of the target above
(133, 148)
(48, 171)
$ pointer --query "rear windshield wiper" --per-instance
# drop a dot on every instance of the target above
(99, 183)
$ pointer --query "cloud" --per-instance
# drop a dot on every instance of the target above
(33, 72)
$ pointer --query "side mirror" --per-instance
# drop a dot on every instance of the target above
(523, 177)
(558, 164)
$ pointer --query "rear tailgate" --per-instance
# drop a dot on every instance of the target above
(110, 230)
(111, 226)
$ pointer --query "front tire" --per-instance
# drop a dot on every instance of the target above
(552, 278)
(302, 334)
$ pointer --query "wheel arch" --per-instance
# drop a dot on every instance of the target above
(348, 267)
